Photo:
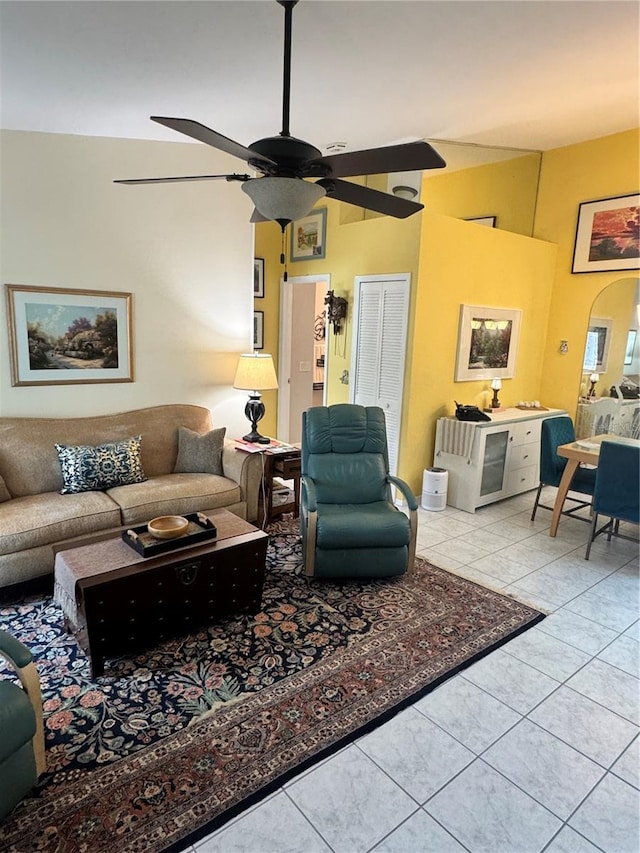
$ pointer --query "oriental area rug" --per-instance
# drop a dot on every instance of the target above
(171, 743)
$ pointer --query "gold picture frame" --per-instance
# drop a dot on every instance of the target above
(66, 336)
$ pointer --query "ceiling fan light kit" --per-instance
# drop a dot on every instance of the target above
(283, 199)
(287, 191)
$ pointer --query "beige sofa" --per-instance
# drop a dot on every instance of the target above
(35, 516)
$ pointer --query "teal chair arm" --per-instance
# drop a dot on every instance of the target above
(14, 650)
(309, 493)
(21, 659)
(410, 498)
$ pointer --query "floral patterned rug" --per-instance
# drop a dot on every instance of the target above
(172, 742)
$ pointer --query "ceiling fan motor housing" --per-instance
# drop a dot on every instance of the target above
(291, 155)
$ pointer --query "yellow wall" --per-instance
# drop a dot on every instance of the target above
(600, 168)
(367, 247)
(461, 263)
(506, 190)
(267, 246)
(454, 262)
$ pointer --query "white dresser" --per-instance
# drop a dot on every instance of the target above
(490, 460)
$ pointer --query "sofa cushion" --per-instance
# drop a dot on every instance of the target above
(42, 519)
(4, 491)
(86, 468)
(173, 494)
(200, 454)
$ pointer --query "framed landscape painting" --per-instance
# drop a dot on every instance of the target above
(608, 235)
(60, 336)
(487, 343)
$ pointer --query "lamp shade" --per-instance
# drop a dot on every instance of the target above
(496, 384)
(255, 372)
(283, 198)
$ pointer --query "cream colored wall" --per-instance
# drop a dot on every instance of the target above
(600, 168)
(185, 252)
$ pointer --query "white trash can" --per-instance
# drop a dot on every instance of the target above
(434, 489)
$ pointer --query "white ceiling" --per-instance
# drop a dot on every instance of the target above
(533, 74)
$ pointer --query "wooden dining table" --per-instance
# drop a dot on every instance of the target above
(582, 452)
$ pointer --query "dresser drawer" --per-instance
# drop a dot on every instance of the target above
(526, 432)
(522, 479)
(523, 455)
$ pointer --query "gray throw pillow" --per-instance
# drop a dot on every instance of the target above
(199, 454)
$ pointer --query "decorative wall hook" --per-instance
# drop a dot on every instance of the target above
(337, 310)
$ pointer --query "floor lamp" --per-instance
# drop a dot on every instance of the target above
(255, 373)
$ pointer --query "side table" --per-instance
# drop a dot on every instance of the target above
(285, 464)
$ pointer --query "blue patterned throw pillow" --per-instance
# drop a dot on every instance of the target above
(89, 469)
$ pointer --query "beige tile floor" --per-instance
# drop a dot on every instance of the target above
(533, 748)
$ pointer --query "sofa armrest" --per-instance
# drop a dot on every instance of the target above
(245, 469)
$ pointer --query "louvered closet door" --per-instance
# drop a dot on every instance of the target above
(380, 336)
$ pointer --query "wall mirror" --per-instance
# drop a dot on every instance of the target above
(609, 396)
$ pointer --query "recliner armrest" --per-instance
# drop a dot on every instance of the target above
(406, 491)
(17, 653)
(309, 489)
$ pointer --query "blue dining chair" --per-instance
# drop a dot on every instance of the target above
(617, 490)
(557, 431)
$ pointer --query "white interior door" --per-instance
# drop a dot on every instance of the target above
(381, 310)
(297, 369)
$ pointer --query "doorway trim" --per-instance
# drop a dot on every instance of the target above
(284, 348)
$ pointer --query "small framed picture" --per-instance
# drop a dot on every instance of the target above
(258, 278)
(309, 236)
(258, 329)
(608, 235)
(489, 221)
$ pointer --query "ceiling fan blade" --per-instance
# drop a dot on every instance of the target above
(370, 199)
(184, 179)
(409, 157)
(210, 137)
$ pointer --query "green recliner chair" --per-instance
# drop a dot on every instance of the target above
(22, 757)
(350, 527)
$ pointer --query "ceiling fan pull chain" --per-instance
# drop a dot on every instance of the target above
(283, 257)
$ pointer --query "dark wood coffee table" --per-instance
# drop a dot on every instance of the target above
(115, 600)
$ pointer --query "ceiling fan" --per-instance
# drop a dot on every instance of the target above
(283, 194)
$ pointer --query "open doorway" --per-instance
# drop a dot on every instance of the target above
(303, 357)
